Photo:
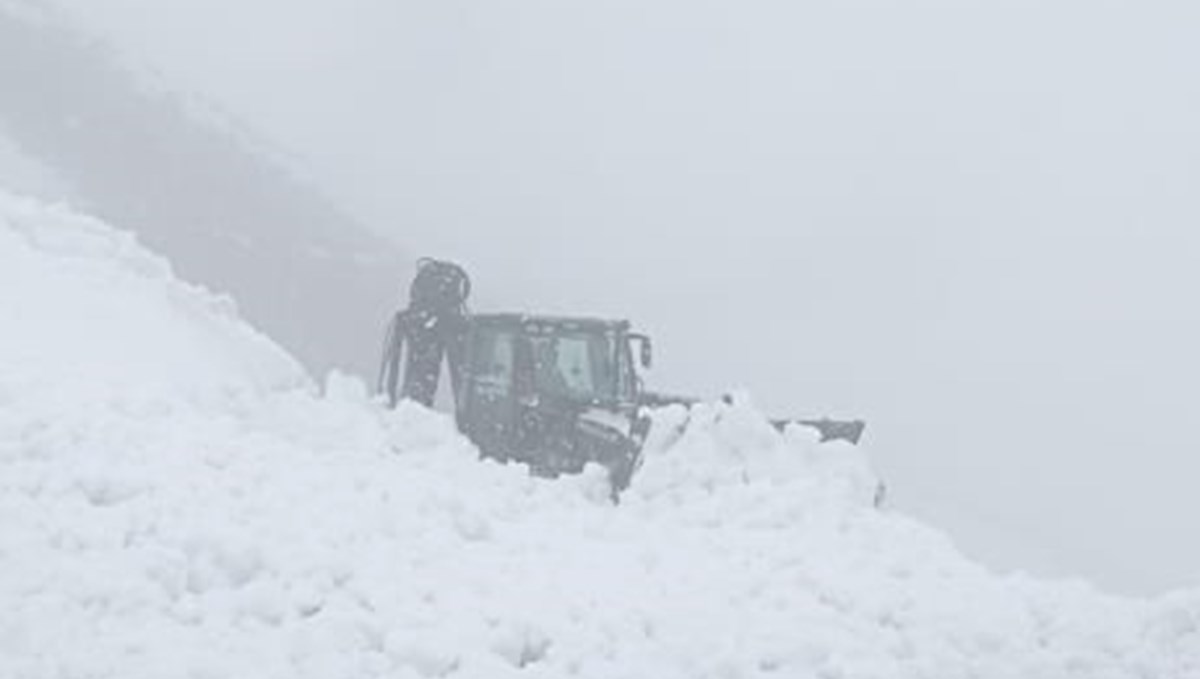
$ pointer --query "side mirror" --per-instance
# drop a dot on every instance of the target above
(646, 353)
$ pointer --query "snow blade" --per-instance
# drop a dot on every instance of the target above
(850, 431)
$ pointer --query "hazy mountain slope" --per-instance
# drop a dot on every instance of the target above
(21, 174)
(226, 216)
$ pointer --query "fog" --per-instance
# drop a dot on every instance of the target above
(973, 224)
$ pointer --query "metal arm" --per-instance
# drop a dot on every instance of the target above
(433, 326)
(389, 364)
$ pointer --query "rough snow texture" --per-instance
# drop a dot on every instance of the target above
(177, 500)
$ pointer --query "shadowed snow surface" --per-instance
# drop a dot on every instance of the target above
(178, 499)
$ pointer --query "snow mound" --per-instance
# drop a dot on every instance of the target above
(90, 317)
(178, 500)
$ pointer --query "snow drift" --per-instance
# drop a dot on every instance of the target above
(178, 499)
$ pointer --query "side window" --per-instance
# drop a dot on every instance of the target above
(493, 363)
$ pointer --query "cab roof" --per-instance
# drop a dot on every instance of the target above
(536, 323)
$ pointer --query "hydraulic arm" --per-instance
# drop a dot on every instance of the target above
(433, 326)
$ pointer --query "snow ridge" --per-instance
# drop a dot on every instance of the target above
(178, 499)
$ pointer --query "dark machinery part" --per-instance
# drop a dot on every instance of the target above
(434, 326)
(553, 393)
(850, 431)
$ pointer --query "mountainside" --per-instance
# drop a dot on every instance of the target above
(179, 500)
(198, 191)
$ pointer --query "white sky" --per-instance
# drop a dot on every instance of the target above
(974, 224)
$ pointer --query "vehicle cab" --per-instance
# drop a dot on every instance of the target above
(555, 393)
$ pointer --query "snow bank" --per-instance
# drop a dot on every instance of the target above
(177, 500)
(92, 318)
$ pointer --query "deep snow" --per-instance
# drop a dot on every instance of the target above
(178, 499)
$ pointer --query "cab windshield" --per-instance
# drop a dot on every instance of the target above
(576, 367)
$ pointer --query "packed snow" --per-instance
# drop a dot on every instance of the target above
(179, 499)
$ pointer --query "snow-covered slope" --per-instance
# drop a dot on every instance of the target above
(178, 500)
(196, 186)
